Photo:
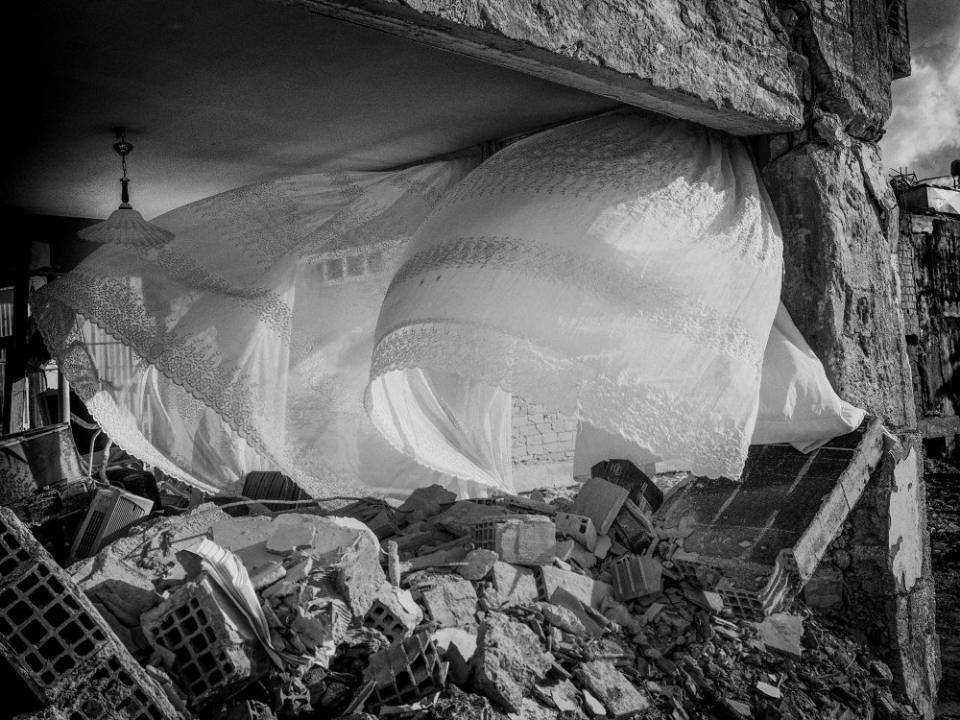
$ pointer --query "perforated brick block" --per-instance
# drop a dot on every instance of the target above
(113, 690)
(635, 576)
(44, 628)
(393, 617)
(405, 672)
(212, 656)
(14, 553)
(578, 527)
(58, 643)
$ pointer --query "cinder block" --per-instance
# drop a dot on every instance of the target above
(578, 527)
(62, 648)
(199, 626)
(524, 540)
(600, 501)
(635, 576)
(46, 631)
(394, 613)
(405, 672)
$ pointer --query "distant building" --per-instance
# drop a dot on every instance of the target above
(928, 259)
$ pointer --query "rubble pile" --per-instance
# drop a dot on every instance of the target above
(564, 603)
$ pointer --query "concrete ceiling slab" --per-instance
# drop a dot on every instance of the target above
(221, 94)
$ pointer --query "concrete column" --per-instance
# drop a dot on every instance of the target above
(840, 225)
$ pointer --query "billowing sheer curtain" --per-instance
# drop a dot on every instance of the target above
(624, 270)
(245, 341)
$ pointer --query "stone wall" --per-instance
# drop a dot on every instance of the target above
(540, 435)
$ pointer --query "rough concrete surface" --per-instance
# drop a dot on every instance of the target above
(839, 285)
(876, 553)
(727, 65)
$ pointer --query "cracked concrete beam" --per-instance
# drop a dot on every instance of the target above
(725, 65)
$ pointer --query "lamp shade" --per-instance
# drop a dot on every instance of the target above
(126, 226)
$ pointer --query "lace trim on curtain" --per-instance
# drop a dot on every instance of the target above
(662, 422)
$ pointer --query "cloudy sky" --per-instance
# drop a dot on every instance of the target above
(923, 134)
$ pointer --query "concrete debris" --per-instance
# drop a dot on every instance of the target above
(452, 604)
(578, 527)
(204, 644)
(602, 600)
(477, 564)
(514, 584)
(60, 649)
(782, 633)
(394, 612)
(635, 576)
(611, 687)
(509, 660)
(587, 590)
(600, 501)
(527, 540)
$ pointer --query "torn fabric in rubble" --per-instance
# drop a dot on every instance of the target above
(244, 343)
(623, 269)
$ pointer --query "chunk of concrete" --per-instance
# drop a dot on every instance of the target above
(452, 604)
(514, 585)
(478, 564)
(426, 502)
(589, 591)
(151, 548)
(118, 584)
(562, 618)
(618, 695)
(782, 633)
(344, 546)
(508, 661)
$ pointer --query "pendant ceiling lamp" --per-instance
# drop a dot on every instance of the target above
(125, 226)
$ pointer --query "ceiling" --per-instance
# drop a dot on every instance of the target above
(215, 95)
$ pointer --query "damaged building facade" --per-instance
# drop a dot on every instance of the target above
(807, 84)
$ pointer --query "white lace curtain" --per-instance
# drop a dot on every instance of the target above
(624, 269)
(248, 336)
